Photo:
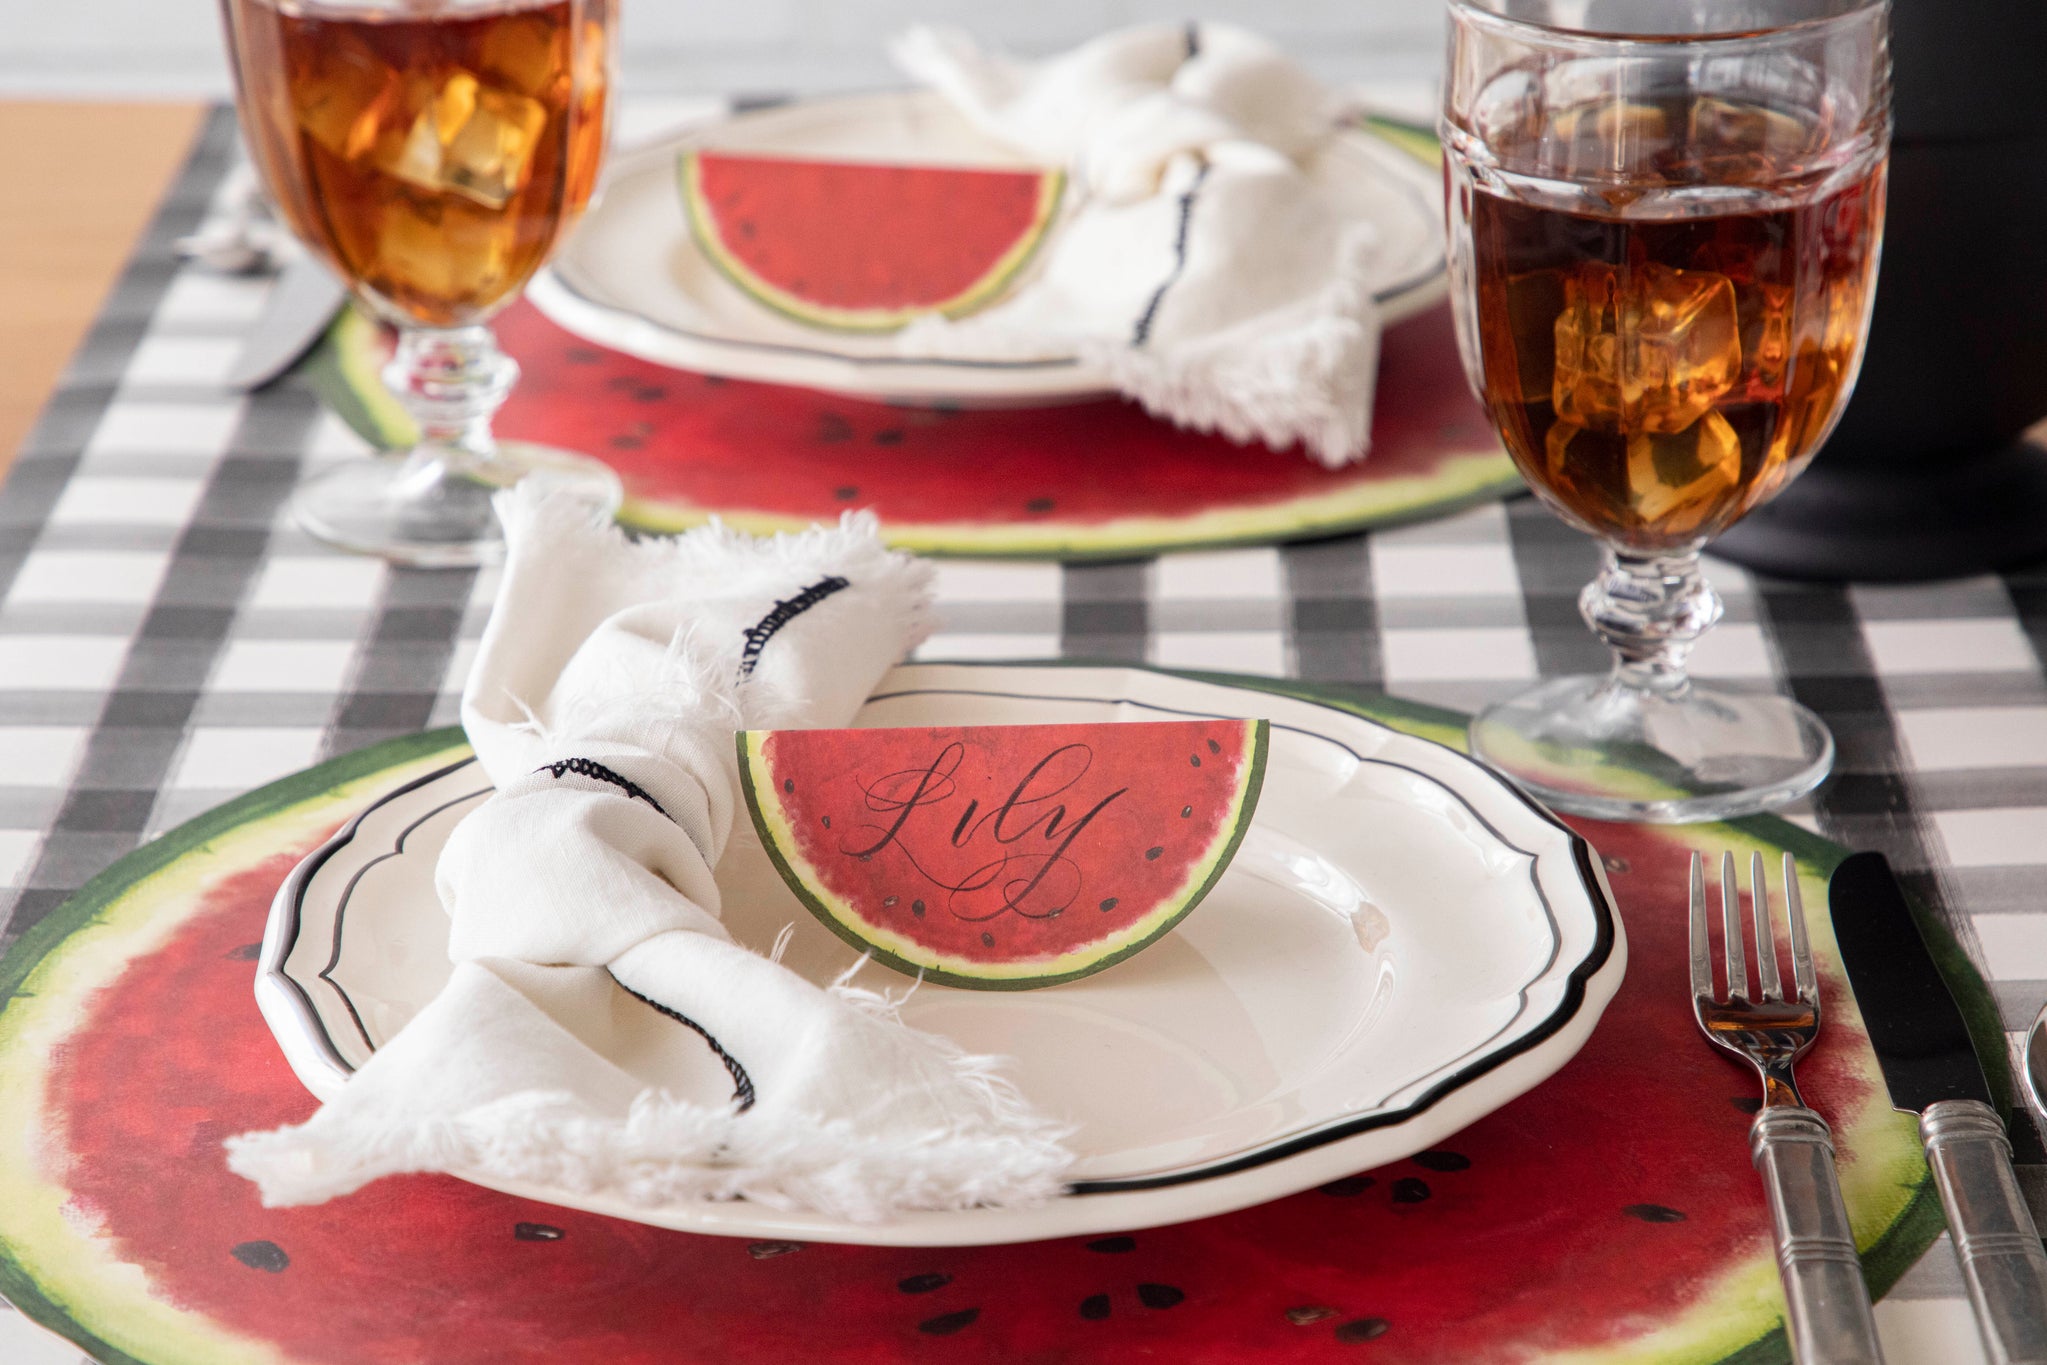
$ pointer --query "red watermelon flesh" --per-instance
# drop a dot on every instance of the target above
(865, 246)
(1082, 480)
(1056, 477)
(1516, 1241)
(1004, 857)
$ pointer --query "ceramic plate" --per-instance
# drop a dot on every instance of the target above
(1403, 944)
(632, 278)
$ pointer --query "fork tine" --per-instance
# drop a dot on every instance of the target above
(1767, 981)
(1730, 925)
(1801, 950)
(1702, 952)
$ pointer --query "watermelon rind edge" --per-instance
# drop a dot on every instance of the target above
(36, 944)
(1219, 862)
(983, 291)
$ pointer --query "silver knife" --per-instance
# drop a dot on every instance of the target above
(301, 303)
(1931, 1068)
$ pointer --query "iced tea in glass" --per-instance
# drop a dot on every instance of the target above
(1665, 219)
(432, 152)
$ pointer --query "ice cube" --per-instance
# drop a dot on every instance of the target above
(1644, 349)
(1518, 326)
(1676, 480)
(470, 138)
(446, 252)
(1765, 311)
(343, 96)
(525, 53)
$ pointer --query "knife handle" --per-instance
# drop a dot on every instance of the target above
(2002, 1259)
(1829, 1320)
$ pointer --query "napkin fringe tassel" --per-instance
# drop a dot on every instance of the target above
(671, 1151)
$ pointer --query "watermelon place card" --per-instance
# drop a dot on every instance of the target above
(1004, 857)
(857, 246)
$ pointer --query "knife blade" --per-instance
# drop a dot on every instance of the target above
(295, 315)
(1931, 1068)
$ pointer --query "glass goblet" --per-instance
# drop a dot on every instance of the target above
(432, 152)
(1665, 218)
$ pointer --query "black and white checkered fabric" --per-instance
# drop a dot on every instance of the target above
(168, 641)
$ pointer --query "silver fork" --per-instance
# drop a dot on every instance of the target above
(1829, 1319)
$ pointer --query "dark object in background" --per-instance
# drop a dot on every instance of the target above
(1927, 477)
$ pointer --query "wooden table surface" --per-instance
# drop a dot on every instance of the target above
(81, 179)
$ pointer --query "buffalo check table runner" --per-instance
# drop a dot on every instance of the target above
(168, 640)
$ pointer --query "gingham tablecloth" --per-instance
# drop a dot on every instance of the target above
(168, 641)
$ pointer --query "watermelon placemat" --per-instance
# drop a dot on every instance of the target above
(1095, 480)
(1610, 1215)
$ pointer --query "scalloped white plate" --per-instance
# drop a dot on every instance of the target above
(1403, 944)
(632, 277)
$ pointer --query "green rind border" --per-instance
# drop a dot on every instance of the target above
(1254, 785)
(92, 900)
(875, 322)
(1893, 1252)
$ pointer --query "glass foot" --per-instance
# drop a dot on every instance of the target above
(421, 511)
(1588, 746)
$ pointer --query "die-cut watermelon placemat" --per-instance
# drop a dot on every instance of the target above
(1610, 1215)
(1094, 480)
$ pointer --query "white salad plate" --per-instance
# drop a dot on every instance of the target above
(1402, 944)
(633, 278)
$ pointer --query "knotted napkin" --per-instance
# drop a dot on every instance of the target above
(1202, 262)
(592, 979)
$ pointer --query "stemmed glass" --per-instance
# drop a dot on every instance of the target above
(1665, 218)
(432, 152)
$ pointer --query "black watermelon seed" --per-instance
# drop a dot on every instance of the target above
(1442, 1161)
(987, 940)
(652, 393)
(827, 822)
(261, 1256)
(537, 1232)
(1113, 1246)
(1095, 1307)
(1186, 811)
(1151, 855)
(1309, 1313)
(1748, 1104)
(917, 909)
(1214, 748)
(788, 784)
(1615, 865)
(1039, 506)
(1363, 1329)
(888, 902)
(832, 427)
(924, 1284)
(626, 442)
(1410, 1191)
(712, 381)
(1653, 1213)
(1160, 1296)
(582, 355)
(846, 494)
(892, 437)
(248, 952)
(768, 1251)
(1195, 759)
(1350, 1186)
(945, 1324)
(1109, 904)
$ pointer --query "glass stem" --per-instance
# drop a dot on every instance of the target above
(1650, 610)
(452, 380)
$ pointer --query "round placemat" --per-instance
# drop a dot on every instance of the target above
(1094, 480)
(1609, 1215)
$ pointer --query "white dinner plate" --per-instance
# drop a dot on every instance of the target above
(1402, 944)
(633, 278)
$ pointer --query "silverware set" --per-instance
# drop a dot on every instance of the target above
(1930, 1068)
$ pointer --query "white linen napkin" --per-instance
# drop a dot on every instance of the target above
(1200, 261)
(592, 975)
